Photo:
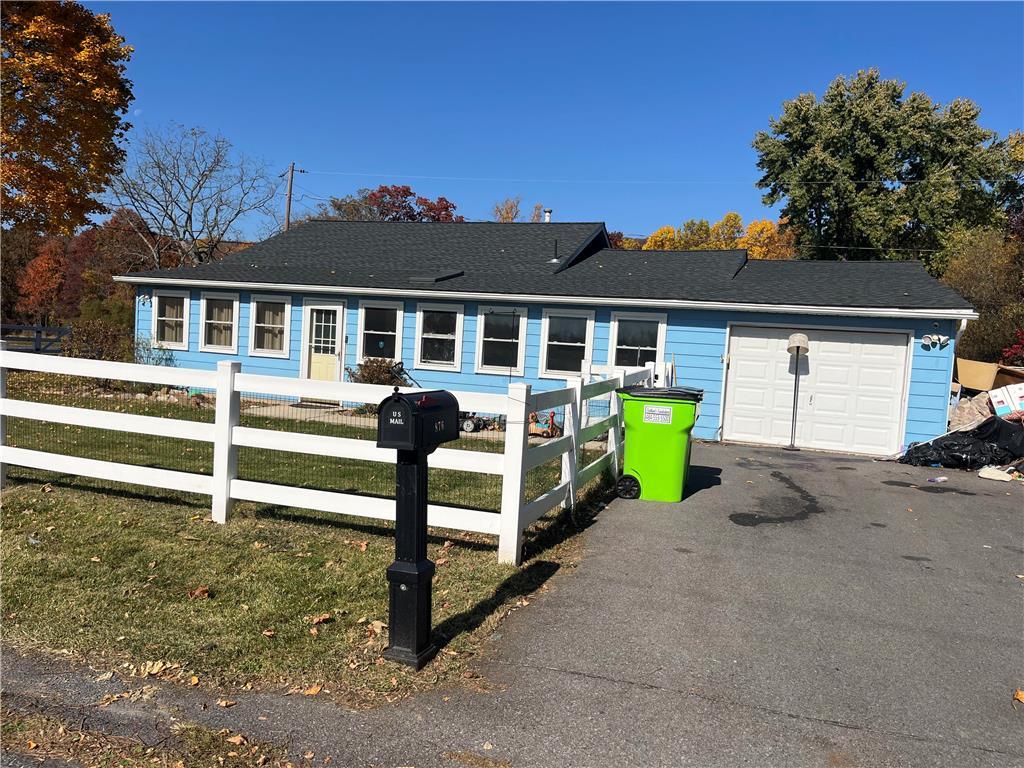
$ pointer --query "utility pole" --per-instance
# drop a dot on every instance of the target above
(288, 195)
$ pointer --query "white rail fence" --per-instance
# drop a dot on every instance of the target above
(227, 436)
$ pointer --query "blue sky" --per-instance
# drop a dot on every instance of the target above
(639, 115)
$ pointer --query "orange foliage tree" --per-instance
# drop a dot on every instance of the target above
(764, 239)
(64, 96)
(39, 286)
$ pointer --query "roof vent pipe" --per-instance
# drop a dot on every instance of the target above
(547, 215)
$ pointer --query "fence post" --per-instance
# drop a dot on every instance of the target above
(652, 373)
(3, 419)
(615, 433)
(510, 529)
(225, 453)
(586, 372)
(571, 426)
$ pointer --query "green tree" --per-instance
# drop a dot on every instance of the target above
(987, 268)
(867, 172)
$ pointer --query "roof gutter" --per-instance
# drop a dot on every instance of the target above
(788, 309)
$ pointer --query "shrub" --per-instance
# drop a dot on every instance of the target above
(1014, 354)
(101, 339)
(375, 370)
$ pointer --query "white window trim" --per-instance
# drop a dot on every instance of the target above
(459, 310)
(399, 308)
(481, 313)
(309, 304)
(203, 346)
(613, 332)
(275, 299)
(154, 309)
(588, 348)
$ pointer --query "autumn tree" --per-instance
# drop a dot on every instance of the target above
(662, 239)
(725, 234)
(396, 202)
(64, 98)
(633, 243)
(537, 214)
(766, 239)
(20, 245)
(507, 210)
(187, 190)
(695, 234)
(868, 172)
(39, 286)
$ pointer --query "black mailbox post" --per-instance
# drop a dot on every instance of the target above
(415, 424)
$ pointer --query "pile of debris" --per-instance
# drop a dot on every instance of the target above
(986, 430)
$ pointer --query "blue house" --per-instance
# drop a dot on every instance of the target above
(473, 306)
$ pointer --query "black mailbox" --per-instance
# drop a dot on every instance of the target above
(417, 421)
(415, 424)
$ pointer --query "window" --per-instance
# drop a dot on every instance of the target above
(380, 330)
(637, 339)
(439, 336)
(170, 319)
(567, 336)
(269, 323)
(220, 326)
(501, 340)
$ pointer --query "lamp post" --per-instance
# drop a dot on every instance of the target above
(796, 346)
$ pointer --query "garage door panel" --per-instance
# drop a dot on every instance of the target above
(851, 389)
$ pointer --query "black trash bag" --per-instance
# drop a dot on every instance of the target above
(993, 442)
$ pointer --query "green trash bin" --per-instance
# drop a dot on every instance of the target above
(658, 425)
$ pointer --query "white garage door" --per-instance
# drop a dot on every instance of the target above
(851, 389)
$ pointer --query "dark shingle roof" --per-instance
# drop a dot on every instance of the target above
(485, 257)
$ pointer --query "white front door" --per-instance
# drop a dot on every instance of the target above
(852, 389)
(324, 338)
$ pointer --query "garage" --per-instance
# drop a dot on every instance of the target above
(853, 388)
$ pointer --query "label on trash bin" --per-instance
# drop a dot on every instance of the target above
(657, 414)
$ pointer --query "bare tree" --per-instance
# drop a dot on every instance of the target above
(507, 210)
(188, 190)
(538, 214)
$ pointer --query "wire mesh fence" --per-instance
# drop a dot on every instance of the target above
(478, 432)
(150, 450)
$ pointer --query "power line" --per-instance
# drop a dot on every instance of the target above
(513, 180)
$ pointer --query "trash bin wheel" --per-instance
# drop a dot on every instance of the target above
(627, 487)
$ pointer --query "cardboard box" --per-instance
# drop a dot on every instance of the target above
(974, 374)
(1007, 399)
(1007, 376)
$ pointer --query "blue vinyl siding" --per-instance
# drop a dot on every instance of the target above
(695, 341)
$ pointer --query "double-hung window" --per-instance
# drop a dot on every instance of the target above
(170, 319)
(439, 336)
(637, 339)
(567, 336)
(269, 326)
(380, 330)
(501, 340)
(219, 332)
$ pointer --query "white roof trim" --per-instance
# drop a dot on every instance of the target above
(787, 309)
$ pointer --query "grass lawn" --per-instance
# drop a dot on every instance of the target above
(120, 576)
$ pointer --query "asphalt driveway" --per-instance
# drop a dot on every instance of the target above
(797, 609)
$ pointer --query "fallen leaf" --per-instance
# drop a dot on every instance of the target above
(202, 592)
(394, 682)
(152, 563)
(47, 488)
(377, 626)
(258, 545)
(238, 739)
(94, 559)
(441, 561)
(31, 744)
(1018, 695)
(50, 528)
(314, 631)
(320, 618)
(225, 703)
(313, 690)
(193, 680)
(362, 620)
(268, 633)
(363, 545)
(488, 745)
(308, 755)
(104, 676)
